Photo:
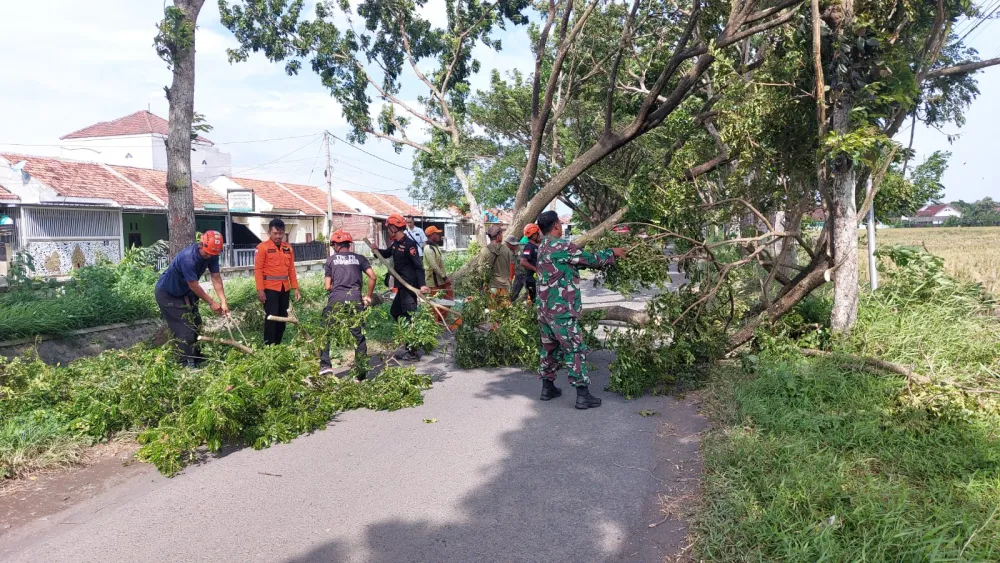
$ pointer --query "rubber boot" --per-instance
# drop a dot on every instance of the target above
(584, 400)
(549, 390)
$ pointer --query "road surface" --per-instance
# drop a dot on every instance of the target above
(498, 476)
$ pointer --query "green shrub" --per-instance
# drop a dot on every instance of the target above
(96, 295)
(661, 352)
(496, 333)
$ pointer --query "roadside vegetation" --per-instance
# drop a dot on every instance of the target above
(113, 293)
(97, 295)
(50, 414)
(824, 458)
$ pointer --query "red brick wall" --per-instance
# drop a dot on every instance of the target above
(359, 226)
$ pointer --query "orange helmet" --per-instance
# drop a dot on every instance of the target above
(211, 241)
(530, 229)
(432, 230)
(396, 220)
(340, 237)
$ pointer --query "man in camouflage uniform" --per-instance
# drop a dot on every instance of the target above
(559, 262)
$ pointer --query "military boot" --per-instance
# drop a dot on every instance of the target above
(549, 390)
(584, 400)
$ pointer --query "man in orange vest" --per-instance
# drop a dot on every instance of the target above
(274, 272)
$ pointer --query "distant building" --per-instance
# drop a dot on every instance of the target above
(139, 140)
(933, 215)
(67, 213)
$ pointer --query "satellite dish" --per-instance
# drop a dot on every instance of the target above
(19, 166)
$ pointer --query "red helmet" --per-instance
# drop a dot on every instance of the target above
(211, 242)
(340, 237)
(396, 220)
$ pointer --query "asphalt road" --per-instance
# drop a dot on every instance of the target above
(499, 476)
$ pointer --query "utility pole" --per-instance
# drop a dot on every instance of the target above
(329, 185)
(872, 272)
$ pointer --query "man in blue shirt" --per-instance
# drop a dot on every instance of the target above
(416, 235)
(178, 291)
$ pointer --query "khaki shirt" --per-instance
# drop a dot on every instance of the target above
(501, 259)
(434, 265)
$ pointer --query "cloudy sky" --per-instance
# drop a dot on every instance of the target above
(68, 64)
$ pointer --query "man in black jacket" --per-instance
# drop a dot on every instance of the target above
(409, 264)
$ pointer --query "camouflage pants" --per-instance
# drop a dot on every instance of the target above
(562, 343)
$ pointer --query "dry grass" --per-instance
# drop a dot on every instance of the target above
(971, 253)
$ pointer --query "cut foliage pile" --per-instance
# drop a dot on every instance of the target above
(253, 400)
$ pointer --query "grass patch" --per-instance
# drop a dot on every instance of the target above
(30, 443)
(97, 295)
(808, 461)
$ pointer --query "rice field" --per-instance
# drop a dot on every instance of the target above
(971, 253)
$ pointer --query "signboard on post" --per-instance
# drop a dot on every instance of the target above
(241, 201)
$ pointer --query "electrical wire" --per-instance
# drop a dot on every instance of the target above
(964, 26)
(352, 145)
(982, 19)
(283, 156)
(372, 173)
(315, 160)
(88, 146)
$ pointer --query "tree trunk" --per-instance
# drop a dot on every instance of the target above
(180, 95)
(844, 213)
(474, 208)
(845, 252)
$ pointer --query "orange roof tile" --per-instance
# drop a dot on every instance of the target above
(384, 204)
(155, 182)
(138, 123)
(316, 197)
(277, 196)
(83, 180)
(7, 196)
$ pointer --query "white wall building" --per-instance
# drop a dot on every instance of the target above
(139, 140)
(933, 215)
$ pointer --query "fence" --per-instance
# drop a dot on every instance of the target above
(242, 255)
(310, 251)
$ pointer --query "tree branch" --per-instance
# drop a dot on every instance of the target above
(401, 141)
(613, 75)
(871, 362)
(597, 231)
(544, 111)
(963, 68)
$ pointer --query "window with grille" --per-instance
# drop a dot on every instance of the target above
(76, 224)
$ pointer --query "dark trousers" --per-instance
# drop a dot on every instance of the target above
(184, 320)
(526, 282)
(275, 303)
(403, 304)
(361, 343)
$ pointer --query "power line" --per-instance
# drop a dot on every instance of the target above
(370, 189)
(372, 173)
(352, 145)
(964, 26)
(981, 20)
(262, 165)
(283, 156)
(265, 140)
(89, 146)
(315, 160)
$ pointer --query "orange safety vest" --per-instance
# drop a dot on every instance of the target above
(274, 267)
